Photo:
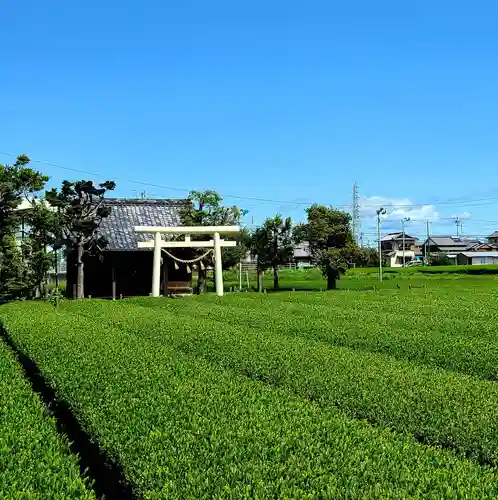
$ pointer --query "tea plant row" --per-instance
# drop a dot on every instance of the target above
(35, 461)
(437, 407)
(183, 426)
(452, 332)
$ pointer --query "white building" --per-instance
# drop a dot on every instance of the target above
(477, 258)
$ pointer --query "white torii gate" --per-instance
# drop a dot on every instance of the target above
(157, 243)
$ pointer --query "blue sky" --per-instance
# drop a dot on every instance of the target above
(276, 100)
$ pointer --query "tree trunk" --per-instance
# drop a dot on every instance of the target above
(331, 280)
(201, 281)
(275, 278)
(260, 280)
(80, 275)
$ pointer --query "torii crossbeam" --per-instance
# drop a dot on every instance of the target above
(157, 243)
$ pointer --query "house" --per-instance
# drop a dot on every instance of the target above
(493, 238)
(302, 254)
(398, 248)
(449, 245)
(301, 257)
(121, 268)
(477, 258)
(482, 247)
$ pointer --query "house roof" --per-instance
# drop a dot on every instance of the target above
(397, 236)
(477, 246)
(452, 241)
(494, 235)
(473, 246)
(480, 254)
(118, 228)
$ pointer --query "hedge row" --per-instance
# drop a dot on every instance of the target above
(454, 269)
(35, 461)
(437, 407)
(184, 428)
(455, 332)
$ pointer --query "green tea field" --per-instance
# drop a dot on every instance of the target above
(354, 393)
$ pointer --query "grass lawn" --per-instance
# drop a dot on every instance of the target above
(363, 278)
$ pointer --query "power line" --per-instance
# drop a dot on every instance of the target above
(462, 202)
(161, 186)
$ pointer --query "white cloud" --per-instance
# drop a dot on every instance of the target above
(397, 210)
(462, 215)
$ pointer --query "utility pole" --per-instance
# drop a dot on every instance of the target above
(427, 245)
(142, 195)
(406, 219)
(458, 223)
(380, 211)
(355, 216)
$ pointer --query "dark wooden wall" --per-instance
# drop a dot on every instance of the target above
(131, 272)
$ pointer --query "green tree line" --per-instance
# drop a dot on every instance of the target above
(35, 224)
(67, 220)
(327, 232)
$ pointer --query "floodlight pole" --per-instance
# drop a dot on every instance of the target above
(406, 219)
(379, 212)
(427, 246)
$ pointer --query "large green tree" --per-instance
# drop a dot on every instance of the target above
(328, 233)
(272, 244)
(41, 225)
(17, 183)
(369, 257)
(204, 208)
(80, 210)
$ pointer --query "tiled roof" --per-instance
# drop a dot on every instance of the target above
(494, 235)
(396, 237)
(118, 228)
(453, 241)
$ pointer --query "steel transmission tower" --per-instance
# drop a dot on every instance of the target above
(355, 216)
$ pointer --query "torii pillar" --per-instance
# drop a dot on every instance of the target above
(217, 243)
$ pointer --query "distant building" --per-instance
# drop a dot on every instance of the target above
(449, 245)
(392, 249)
(493, 238)
(302, 255)
(483, 247)
(477, 258)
